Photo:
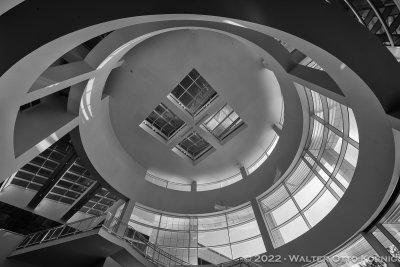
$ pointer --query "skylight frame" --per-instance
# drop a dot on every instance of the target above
(163, 115)
(229, 115)
(183, 150)
(188, 88)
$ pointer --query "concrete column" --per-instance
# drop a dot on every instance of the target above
(193, 186)
(379, 248)
(124, 217)
(243, 172)
(262, 225)
(389, 236)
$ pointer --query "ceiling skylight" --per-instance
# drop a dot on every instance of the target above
(163, 122)
(193, 146)
(223, 123)
(194, 97)
(193, 93)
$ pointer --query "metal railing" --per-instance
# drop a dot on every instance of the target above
(142, 245)
(112, 225)
(62, 231)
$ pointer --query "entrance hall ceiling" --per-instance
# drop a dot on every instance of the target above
(155, 67)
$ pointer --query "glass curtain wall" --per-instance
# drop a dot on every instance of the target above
(322, 174)
(360, 252)
(213, 238)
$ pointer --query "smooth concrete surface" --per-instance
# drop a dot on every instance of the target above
(153, 68)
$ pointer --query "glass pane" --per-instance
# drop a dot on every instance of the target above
(300, 174)
(341, 179)
(173, 239)
(213, 238)
(394, 229)
(240, 216)
(145, 217)
(318, 110)
(208, 223)
(244, 231)
(332, 151)
(248, 249)
(351, 155)
(337, 189)
(221, 126)
(174, 223)
(293, 229)
(308, 192)
(322, 173)
(386, 243)
(316, 138)
(147, 231)
(284, 212)
(274, 198)
(320, 208)
(335, 114)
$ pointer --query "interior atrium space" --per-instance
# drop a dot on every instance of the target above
(185, 133)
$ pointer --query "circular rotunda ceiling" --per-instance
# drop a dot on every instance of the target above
(179, 105)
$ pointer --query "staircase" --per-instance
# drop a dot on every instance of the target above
(89, 242)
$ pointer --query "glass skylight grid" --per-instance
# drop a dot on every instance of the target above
(74, 182)
(194, 146)
(223, 122)
(99, 203)
(164, 122)
(34, 174)
(193, 93)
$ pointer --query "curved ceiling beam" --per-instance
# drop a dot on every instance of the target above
(30, 20)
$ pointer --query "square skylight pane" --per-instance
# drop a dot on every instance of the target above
(194, 146)
(193, 93)
(164, 122)
(222, 123)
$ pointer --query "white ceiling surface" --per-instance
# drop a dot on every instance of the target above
(231, 68)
